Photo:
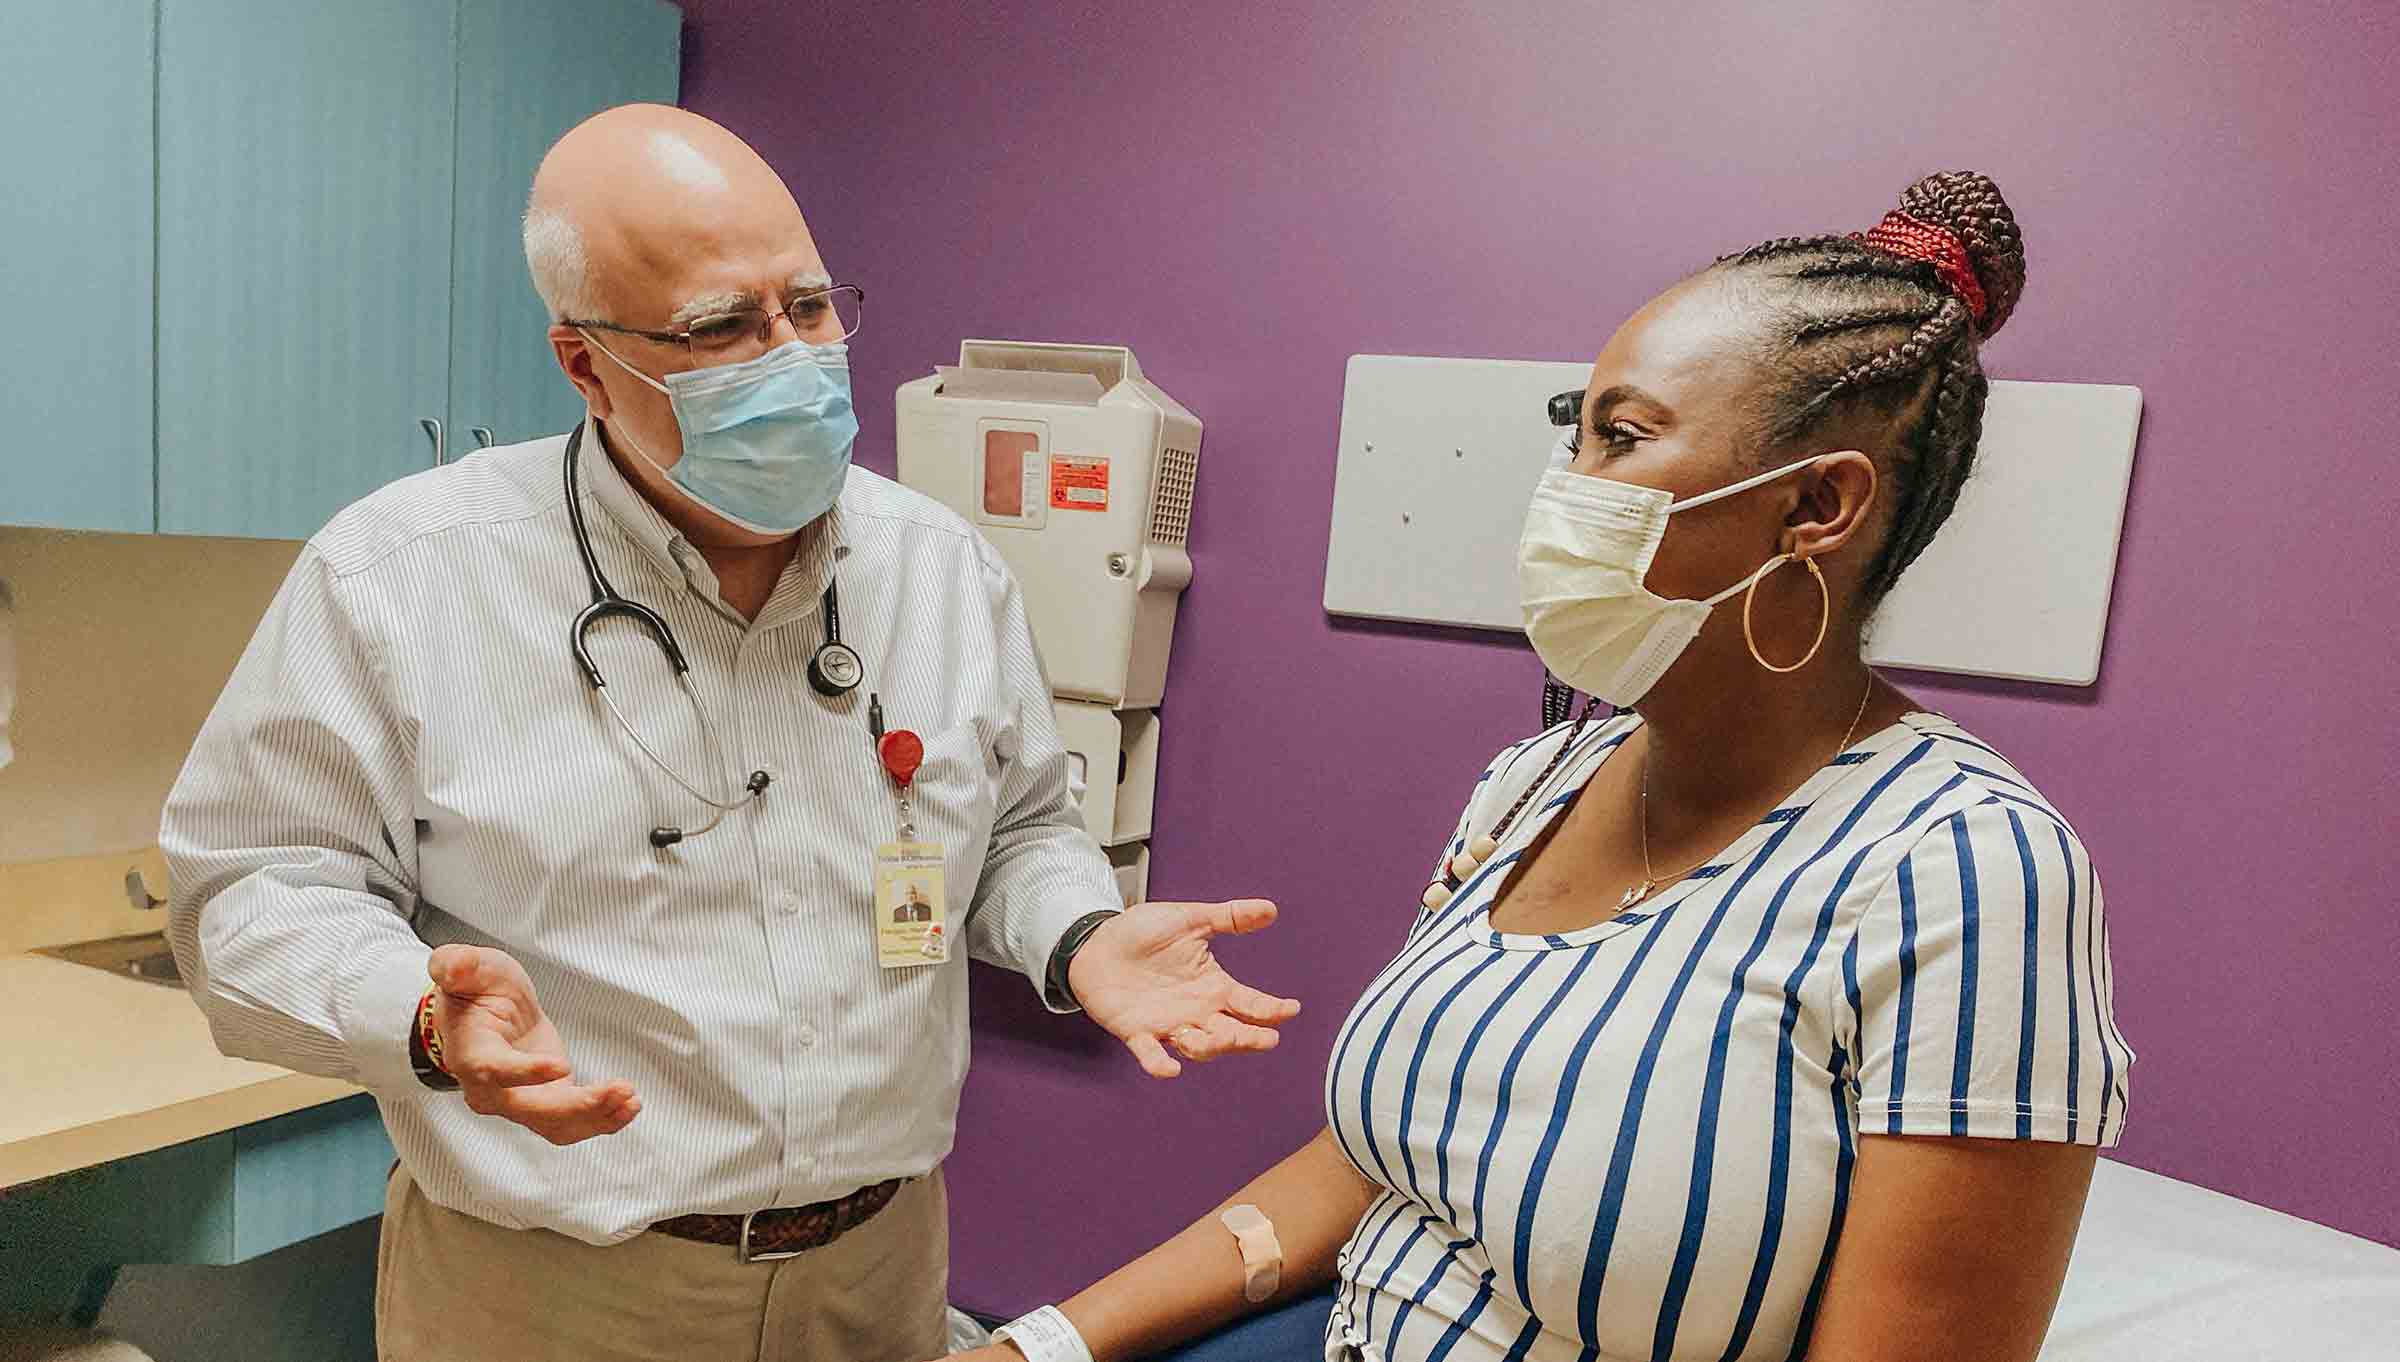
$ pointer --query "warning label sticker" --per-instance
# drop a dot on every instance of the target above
(1078, 482)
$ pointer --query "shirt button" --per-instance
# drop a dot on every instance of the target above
(787, 903)
(807, 1037)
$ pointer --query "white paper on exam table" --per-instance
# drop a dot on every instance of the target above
(2168, 1272)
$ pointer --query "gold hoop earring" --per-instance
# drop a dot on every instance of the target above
(1824, 612)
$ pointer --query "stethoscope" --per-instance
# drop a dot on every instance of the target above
(833, 672)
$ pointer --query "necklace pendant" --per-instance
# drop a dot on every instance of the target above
(1636, 894)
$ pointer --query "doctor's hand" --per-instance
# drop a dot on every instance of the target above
(507, 1057)
(1148, 978)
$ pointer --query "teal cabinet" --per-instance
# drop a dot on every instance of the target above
(62, 1240)
(528, 70)
(227, 1198)
(300, 1175)
(277, 263)
(76, 235)
(304, 183)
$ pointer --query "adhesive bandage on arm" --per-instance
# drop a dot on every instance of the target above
(1262, 1253)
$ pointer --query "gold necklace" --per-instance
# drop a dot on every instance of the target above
(1649, 884)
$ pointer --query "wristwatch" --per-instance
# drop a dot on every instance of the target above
(1054, 979)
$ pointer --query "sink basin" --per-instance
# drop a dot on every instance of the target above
(143, 957)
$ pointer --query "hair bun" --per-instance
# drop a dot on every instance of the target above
(1969, 207)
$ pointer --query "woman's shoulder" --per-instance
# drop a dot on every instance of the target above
(1560, 751)
(1976, 796)
(1522, 762)
(1978, 769)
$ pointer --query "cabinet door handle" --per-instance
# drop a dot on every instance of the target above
(441, 442)
(483, 436)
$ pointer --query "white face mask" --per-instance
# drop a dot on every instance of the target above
(1580, 572)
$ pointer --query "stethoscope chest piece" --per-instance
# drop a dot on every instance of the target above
(836, 670)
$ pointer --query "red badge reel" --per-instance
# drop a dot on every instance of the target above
(902, 752)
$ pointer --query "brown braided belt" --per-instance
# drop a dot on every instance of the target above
(765, 1236)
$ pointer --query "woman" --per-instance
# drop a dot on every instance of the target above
(1772, 1014)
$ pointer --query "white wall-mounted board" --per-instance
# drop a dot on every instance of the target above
(1438, 456)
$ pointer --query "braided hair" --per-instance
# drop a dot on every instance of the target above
(1890, 322)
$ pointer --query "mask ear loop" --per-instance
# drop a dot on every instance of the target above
(627, 436)
(1824, 611)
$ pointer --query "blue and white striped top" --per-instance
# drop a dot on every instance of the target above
(1635, 1140)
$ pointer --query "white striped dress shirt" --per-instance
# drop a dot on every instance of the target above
(1636, 1140)
(406, 756)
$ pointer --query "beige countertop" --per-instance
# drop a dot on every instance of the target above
(95, 1068)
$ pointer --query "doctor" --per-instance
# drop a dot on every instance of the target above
(464, 830)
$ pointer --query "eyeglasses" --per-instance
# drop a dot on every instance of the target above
(820, 317)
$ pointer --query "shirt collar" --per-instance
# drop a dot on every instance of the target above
(621, 502)
(823, 542)
(801, 589)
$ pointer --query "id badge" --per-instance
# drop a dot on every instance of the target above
(912, 919)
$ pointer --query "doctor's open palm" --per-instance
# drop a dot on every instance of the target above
(507, 1057)
(1149, 979)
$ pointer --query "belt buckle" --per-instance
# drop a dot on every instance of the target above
(746, 1254)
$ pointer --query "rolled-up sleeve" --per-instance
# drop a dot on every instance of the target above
(290, 846)
(1044, 870)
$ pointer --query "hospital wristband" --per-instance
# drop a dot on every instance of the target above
(1045, 1336)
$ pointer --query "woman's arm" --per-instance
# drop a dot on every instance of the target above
(1952, 1248)
(1192, 1283)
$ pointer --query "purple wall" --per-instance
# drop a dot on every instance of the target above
(1249, 193)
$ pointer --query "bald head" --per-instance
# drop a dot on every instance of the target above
(649, 216)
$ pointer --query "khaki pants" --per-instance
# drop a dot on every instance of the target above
(452, 1288)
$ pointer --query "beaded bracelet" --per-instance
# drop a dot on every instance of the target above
(429, 1035)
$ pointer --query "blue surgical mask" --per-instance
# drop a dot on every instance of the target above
(766, 442)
